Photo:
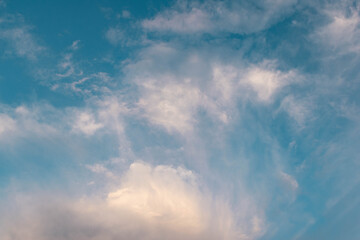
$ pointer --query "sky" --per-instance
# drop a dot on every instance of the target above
(165, 119)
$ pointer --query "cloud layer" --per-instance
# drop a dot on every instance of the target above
(179, 120)
(216, 17)
(159, 202)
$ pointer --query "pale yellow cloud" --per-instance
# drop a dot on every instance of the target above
(150, 203)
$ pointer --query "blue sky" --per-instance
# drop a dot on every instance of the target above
(179, 119)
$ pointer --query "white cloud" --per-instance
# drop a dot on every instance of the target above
(225, 81)
(193, 21)
(111, 112)
(86, 123)
(159, 202)
(22, 41)
(265, 80)
(73, 77)
(217, 17)
(23, 122)
(7, 124)
(223, 91)
(172, 96)
(74, 85)
(125, 14)
(43, 120)
(289, 180)
(343, 30)
(96, 82)
(297, 109)
(163, 196)
(170, 104)
(115, 36)
(264, 83)
(174, 103)
(75, 45)
(67, 67)
(100, 169)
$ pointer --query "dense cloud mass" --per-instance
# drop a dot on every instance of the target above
(152, 203)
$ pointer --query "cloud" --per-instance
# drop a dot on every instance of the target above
(18, 36)
(7, 124)
(289, 180)
(125, 14)
(218, 92)
(105, 114)
(23, 121)
(2, 3)
(115, 36)
(75, 45)
(67, 67)
(44, 120)
(342, 31)
(22, 42)
(123, 35)
(172, 92)
(193, 21)
(75, 77)
(111, 112)
(218, 17)
(159, 202)
(265, 80)
(72, 127)
(86, 124)
(172, 105)
(299, 110)
(90, 84)
(162, 196)
(100, 169)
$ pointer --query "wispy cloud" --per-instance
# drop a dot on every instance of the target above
(23, 121)
(85, 123)
(299, 110)
(7, 124)
(19, 37)
(219, 17)
(289, 180)
(266, 81)
(22, 42)
(342, 31)
(115, 36)
(67, 67)
(75, 45)
(200, 127)
(2, 3)
(174, 101)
